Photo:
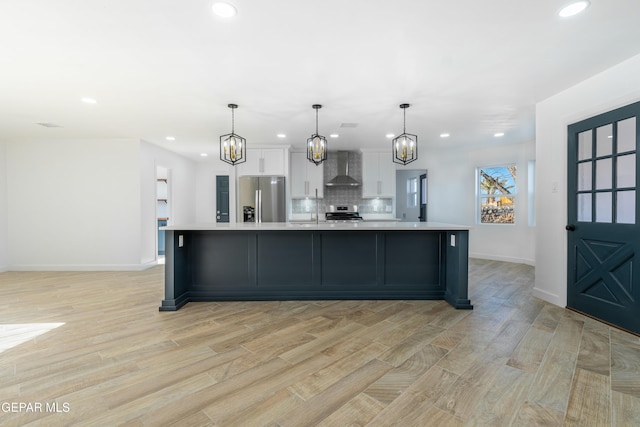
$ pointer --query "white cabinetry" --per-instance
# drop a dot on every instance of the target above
(264, 161)
(306, 177)
(378, 174)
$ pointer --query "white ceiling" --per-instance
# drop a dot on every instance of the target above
(159, 67)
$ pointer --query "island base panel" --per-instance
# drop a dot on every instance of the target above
(208, 265)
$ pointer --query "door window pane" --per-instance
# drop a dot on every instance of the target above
(626, 207)
(604, 207)
(626, 171)
(584, 176)
(603, 174)
(584, 145)
(627, 135)
(584, 207)
(604, 139)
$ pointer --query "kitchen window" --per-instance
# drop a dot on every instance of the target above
(412, 192)
(496, 194)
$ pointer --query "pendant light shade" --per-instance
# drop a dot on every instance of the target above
(232, 146)
(317, 144)
(405, 146)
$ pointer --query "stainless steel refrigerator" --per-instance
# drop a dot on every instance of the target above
(261, 199)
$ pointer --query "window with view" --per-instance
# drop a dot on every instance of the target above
(496, 194)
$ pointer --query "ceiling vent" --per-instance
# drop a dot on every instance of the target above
(49, 125)
(349, 125)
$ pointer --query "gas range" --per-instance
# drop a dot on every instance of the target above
(343, 213)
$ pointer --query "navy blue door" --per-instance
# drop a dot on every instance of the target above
(423, 198)
(222, 198)
(602, 230)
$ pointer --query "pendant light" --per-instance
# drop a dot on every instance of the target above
(317, 144)
(232, 146)
(405, 146)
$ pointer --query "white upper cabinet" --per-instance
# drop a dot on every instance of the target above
(264, 161)
(378, 174)
(306, 177)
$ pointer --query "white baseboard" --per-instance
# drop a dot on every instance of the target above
(549, 297)
(514, 260)
(88, 267)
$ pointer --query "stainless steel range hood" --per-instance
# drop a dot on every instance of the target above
(343, 178)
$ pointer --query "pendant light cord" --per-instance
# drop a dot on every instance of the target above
(404, 115)
(233, 117)
(404, 122)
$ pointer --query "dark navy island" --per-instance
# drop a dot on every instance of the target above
(308, 261)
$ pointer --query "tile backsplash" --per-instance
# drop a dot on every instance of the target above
(376, 206)
(343, 195)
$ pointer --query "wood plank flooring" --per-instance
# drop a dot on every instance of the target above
(91, 348)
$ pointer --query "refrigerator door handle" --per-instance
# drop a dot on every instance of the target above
(258, 205)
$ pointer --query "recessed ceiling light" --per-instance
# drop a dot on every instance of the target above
(224, 10)
(573, 8)
(444, 135)
(334, 135)
(499, 134)
(203, 154)
(89, 101)
(53, 125)
(282, 135)
(390, 135)
(170, 138)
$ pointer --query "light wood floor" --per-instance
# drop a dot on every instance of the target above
(95, 345)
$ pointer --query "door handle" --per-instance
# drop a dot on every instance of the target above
(570, 227)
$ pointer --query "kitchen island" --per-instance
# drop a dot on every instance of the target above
(294, 261)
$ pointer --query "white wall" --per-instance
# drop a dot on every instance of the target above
(73, 205)
(206, 189)
(613, 88)
(4, 233)
(182, 184)
(87, 205)
(452, 198)
(91, 204)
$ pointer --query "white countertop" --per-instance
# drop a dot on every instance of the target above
(363, 225)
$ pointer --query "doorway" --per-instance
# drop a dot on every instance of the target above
(163, 207)
(603, 233)
(411, 195)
